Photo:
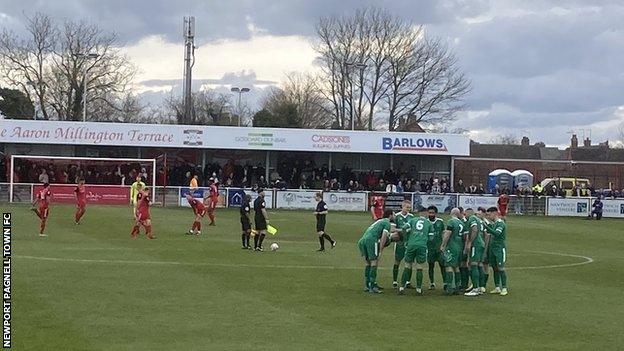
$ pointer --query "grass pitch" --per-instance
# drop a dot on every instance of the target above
(90, 287)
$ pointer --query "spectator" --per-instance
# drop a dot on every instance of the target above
(399, 187)
(351, 186)
(326, 185)
(460, 188)
(391, 188)
(472, 189)
(435, 188)
(596, 209)
(496, 190)
(519, 200)
(480, 190)
(43, 176)
(381, 186)
(335, 185)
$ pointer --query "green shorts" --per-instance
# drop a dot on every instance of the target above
(451, 258)
(497, 256)
(476, 254)
(369, 249)
(399, 251)
(416, 253)
(434, 255)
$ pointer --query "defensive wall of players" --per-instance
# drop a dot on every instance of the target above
(293, 199)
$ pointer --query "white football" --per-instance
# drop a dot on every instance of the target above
(274, 247)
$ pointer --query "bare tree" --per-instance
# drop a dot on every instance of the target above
(208, 108)
(51, 63)
(507, 139)
(375, 60)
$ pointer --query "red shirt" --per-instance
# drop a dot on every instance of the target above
(197, 206)
(214, 193)
(503, 200)
(81, 194)
(44, 197)
(144, 203)
(377, 207)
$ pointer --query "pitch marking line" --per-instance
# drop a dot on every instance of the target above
(587, 260)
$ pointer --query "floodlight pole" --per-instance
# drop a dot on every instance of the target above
(240, 92)
(84, 82)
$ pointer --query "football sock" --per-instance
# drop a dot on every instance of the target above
(465, 276)
(367, 276)
(247, 238)
(419, 278)
(261, 240)
(373, 275)
(194, 226)
(407, 276)
(486, 276)
(244, 239)
(503, 277)
(198, 226)
(42, 226)
(457, 280)
(212, 218)
(443, 272)
(322, 242)
(449, 281)
(497, 279)
(474, 275)
(256, 237)
(430, 271)
(326, 236)
(395, 272)
(135, 230)
(148, 231)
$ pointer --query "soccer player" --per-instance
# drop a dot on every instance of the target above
(503, 203)
(433, 245)
(321, 214)
(475, 247)
(143, 217)
(401, 219)
(464, 272)
(376, 208)
(43, 200)
(498, 254)
(199, 210)
(81, 200)
(416, 233)
(135, 189)
(213, 199)
(371, 244)
(245, 214)
(451, 249)
(261, 219)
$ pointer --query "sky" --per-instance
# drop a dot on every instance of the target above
(540, 68)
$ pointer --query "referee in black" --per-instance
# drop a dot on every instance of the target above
(261, 219)
(321, 214)
(245, 217)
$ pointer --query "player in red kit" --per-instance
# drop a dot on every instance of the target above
(143, 217)
(503, 202)
(81, 200)
(199, 210)
(211, 200)
(43, 200)
(376, 208)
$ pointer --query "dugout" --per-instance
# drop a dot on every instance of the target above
(422, 154)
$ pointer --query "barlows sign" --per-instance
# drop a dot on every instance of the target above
(213, 137)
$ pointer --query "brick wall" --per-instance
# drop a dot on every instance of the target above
(476, 171)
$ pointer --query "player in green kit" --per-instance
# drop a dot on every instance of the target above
(400, 219)
(433, 244)
(475, 248)
(497, 229)
(372, 242)
(416, 235)
(452, 249)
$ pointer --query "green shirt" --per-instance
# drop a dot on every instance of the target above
(464, 221)
(474, 221)
(134, 191)
(417, 230)
(435, 234)
(456, 227)
(498, 229)
(401, 220)
(375, 230)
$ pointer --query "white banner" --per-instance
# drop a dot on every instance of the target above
(293, 199)
(218, 137)
(613, 208)
(476, 201)
(576, 207)
(339, 201)
(444, 203)
(268, 197)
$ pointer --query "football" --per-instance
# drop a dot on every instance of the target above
(274, 247)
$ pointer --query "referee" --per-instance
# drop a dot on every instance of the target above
(261, 219)
(321, 214)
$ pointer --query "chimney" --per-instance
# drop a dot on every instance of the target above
(587, 142)
(525, 141)
(574, 142)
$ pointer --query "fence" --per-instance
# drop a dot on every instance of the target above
(336, 200)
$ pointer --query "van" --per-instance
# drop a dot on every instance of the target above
(565, 183)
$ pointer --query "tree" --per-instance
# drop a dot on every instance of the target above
(285, 116)
(208, 108)
(15, 105)
(507, 139)
(52, 63)
(374, 61)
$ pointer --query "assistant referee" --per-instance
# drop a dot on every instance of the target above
(321, 219)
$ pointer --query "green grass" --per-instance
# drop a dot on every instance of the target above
(103, 291)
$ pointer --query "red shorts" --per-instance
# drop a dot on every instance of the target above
(211, 206)
(81, 204)
(200, 213)
(142, 216)
(44, 212)
(503, 211)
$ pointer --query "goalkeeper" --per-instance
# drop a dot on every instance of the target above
(135, 188)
